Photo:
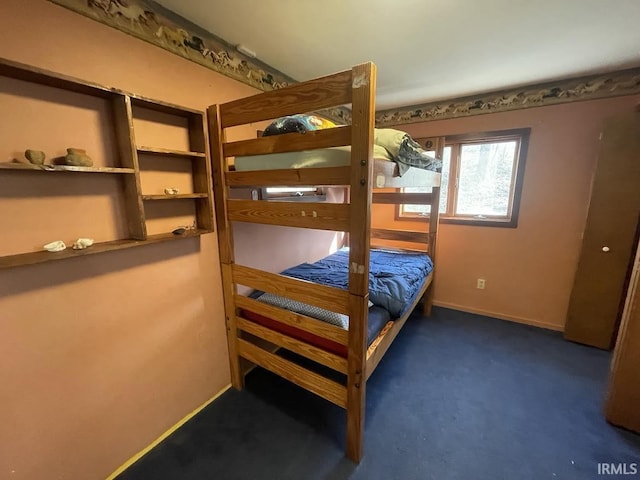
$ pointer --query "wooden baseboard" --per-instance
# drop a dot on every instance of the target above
(500, 316)
(153, 444)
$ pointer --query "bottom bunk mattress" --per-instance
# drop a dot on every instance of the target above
(396, 279)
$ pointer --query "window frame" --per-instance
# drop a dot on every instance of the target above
(456, 141)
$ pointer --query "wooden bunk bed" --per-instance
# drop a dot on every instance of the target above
(256, 343)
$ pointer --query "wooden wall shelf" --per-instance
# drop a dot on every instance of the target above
(121, 105)
(175, 197)
(170, 153)
(32, 258)
(63, 168)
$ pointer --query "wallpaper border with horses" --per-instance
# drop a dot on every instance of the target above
(149, 21)
(625, 82)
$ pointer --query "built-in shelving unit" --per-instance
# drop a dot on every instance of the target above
(122, 109)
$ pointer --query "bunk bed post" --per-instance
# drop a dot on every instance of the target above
(363, 117)
(434, 214)
(225, 242)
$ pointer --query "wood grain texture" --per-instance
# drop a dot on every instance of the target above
(290, 142)
(311, 352)
(361, 176)
(220, 189)
(329, 298)
(229, 291)
(202, 171)
(41, 76)
(374, 345)
(326, 92)
(595, 305)
(291, 177)
(397, 198)
(29, 73)
(182, 196)
(163, 107)
(400, 235)
(356, 379)
(163, 152)
(434, 221)
(363, 117)
(320, 216)
(33, 258)
(225, 243)
(126, 143)
(325, 388)
(623, 395)
(126, 165)
(302, 322)
(63, 168)
(375, 244)
(386, 338)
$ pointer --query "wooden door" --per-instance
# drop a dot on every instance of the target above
(610, 236)
(624, 387)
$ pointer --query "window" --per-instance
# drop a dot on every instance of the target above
(481, 180)
(289, 194)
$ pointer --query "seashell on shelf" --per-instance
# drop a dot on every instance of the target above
(171, 191)
(82, 243)
(56, 246)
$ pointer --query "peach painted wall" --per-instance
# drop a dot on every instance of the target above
(528, 270)
(100, 355)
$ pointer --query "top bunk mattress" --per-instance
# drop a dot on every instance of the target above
(389, 145)
(323, 157)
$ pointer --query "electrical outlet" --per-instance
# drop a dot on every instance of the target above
(480, 284)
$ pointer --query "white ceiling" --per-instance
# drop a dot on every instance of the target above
(427, 50)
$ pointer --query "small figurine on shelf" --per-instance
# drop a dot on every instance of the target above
(31, 157)
(36, 157)
(77, 157)
(171, 191)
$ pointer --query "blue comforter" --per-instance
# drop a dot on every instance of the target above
(395, 278)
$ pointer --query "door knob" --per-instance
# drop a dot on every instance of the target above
(605, 249)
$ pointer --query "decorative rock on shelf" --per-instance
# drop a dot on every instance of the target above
(35, 157)
(78, 157)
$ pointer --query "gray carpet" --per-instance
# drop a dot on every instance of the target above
(458, 396)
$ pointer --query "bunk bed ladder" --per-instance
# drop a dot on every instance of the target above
(225, 243)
